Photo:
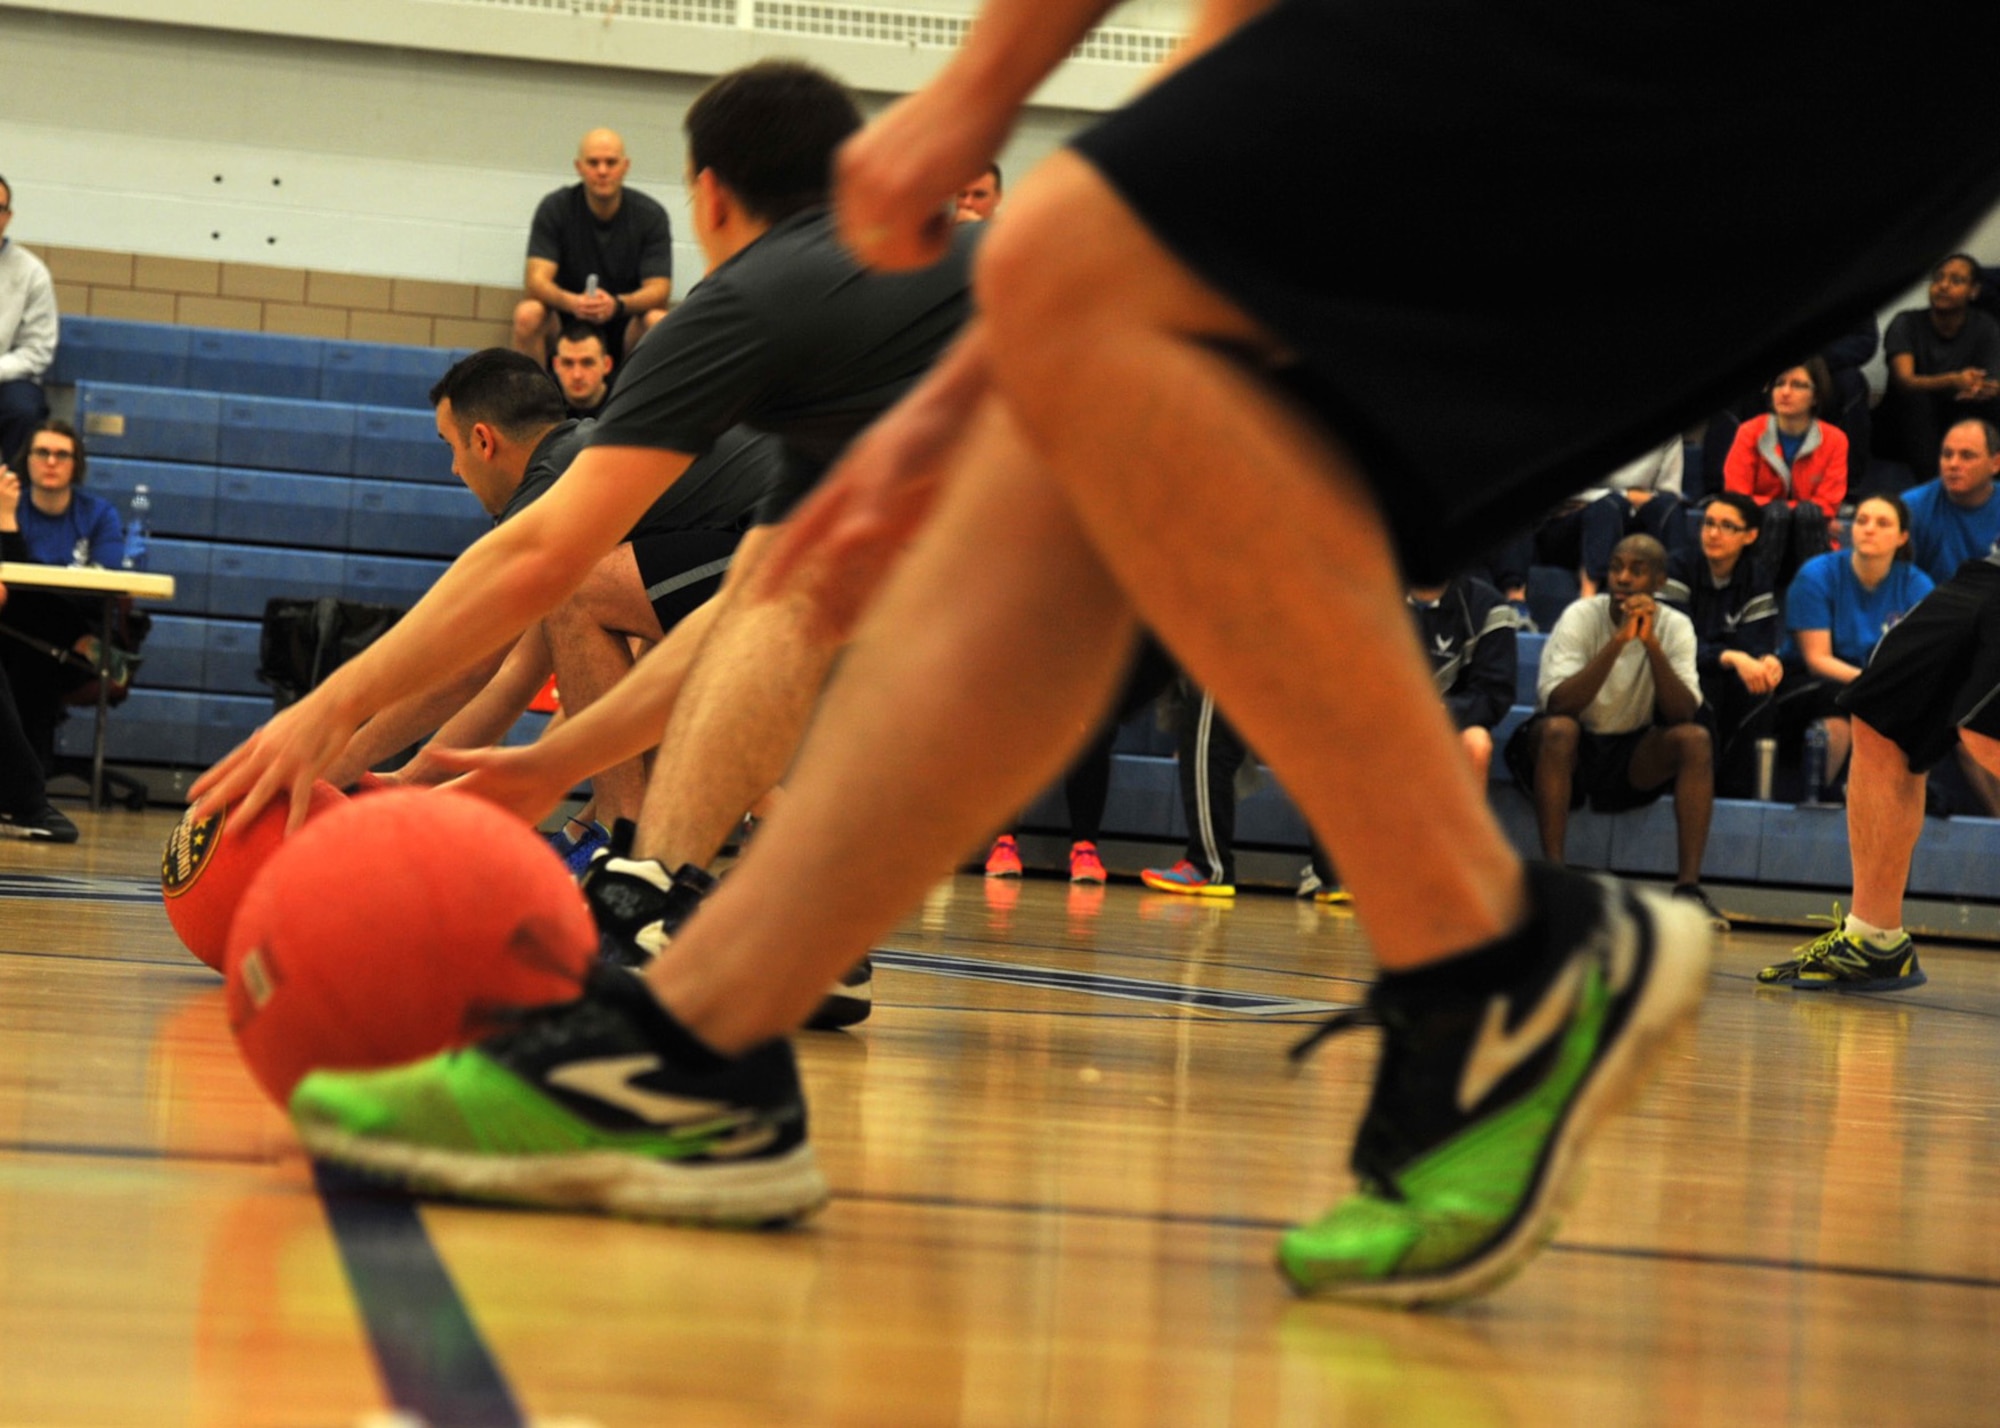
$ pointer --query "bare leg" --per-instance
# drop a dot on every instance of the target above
(966, 689)
(1885, 815)
(1839, 739)
(1984, 784)
(534, 329)
(1478, 745)
(1684, 752)
(1983, 750)
(587, 635)
(1249, 542)
(1555, 750)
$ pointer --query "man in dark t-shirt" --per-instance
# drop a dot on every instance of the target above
(503, 420)
(1944, 364)
(599, 252)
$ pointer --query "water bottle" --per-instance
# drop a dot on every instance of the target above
(1767, 768)
(1812, 767)
(590, 286)
(138, 528)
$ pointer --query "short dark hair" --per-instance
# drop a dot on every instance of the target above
(1751, 514)
(60, 428)
(999, 179)
(507, 390)
(1978, 272)
(1991, 431)
(577, 330)
(9, 187)
(769, 131)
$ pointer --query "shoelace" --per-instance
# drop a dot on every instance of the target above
(1821, 947)
(1333, 1026)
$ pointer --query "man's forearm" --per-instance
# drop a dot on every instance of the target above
(1573, 695)
(1675, 702)
(408, 720)
(631, 717)
(490, 713)
(647, 297)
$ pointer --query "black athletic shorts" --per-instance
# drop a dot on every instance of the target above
(1937, 670)
(1603, 768)
(1553, 233)
(682, 570)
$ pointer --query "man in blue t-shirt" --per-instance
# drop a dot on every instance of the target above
(1954, 518)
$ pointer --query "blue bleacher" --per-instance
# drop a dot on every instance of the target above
(295, 466)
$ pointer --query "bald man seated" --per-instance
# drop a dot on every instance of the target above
(598, 253)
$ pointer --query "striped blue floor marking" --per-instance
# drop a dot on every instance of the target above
(1100, 984)
(433, 1361)
(64, 888)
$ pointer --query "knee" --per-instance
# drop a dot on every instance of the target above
(1557, 741)
(529, 318)
(1691, 745)
(1031, 275)
(1478, 745)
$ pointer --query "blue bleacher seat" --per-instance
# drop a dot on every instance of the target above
(276, 434)
(183, 494)
(231, 652)
(397, 445)
(226, 720)
(118, 420)
(242, 578)
(174, 654)
(152, 726)
(390, 580)
(375, 374)
(273, 508)
(402, 519)
(187, 561)
(254, 364)
(143, 354)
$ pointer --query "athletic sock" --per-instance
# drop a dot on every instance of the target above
(1479, 970)
(1880, 938)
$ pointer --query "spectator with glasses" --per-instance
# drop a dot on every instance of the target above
(1728, 595)
(1794, 466)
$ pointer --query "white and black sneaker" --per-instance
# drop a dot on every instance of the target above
(47, 825)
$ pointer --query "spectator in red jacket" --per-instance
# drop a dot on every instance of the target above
(1793, 465)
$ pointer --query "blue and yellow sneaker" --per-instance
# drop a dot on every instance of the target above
(1838, 961)
(1492, 1076)
(603, 1104)
(577, 842)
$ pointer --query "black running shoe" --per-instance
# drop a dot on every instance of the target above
(850, 1000)
(48, 825)
(603, 1104)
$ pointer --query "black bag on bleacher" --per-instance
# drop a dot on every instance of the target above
(306, 640)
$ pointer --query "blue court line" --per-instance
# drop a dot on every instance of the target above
(433, 1361)
(65, 888)
(1099, 984)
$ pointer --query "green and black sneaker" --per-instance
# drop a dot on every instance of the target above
(1837, 961)
(1491, 1079)
(604, 1104)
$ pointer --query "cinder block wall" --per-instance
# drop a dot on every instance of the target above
(250, 297)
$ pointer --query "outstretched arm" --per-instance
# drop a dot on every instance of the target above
(511, 576)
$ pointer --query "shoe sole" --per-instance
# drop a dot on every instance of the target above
(844, 1006)
(750, 1194)
(1682, 947)
(1882, 984)
(1092, 879)
(1206, 890)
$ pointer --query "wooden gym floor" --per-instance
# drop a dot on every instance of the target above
(1058, 1165)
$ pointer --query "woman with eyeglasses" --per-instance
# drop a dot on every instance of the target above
(1794, 466)
(48, 519)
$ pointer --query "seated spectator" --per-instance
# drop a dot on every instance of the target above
(50, 640)
(1954, 518)
(1619, 692)
(1470, 631)
(582, 368)
(1642, 497)
(980, 199)
(1838, 609)
(599, 252)
(1736, 629)
(1944, 365)
(27, 334)
(1795, 467)
(25, 810)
